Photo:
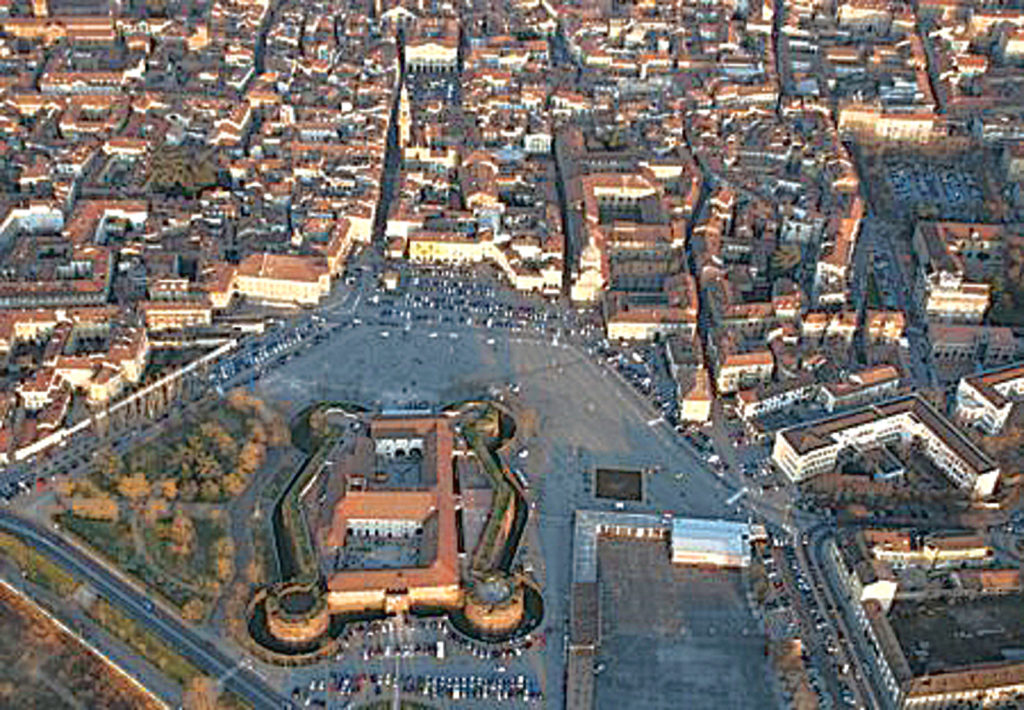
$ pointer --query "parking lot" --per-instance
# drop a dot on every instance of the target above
(421, 659)
(796, 592)
(445, 336)
(955, 193)
(644, 367)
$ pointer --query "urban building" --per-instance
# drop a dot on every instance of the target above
(954, 263)
(864, 386)
(433, 46)
(736, 371)
(176, 315)
(902, 548)
(775, 396)
(281, 278)
(400, 512)
(807, 450)
(864, 561)
(986, 400)
(717, 543)
(972, 345)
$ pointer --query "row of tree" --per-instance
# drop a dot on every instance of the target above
(209, 464)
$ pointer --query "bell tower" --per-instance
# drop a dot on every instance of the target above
(404, 118)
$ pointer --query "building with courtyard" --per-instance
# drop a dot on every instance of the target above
(392, 530)
(810, 449)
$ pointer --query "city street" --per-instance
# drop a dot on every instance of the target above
(890, 273)
(136, 604)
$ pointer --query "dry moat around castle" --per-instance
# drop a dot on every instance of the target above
(398, 514)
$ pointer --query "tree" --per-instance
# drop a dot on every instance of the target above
(108, 464)
(182, 533)
(169, 488)
(234, 484)
(201, 693)
(134, 487)
(209, 490)
(64, 486)
(182, 460)
(257, 432)
(96, 508)
(280, 434)
(189, 490)
(250, 457)
(194, 610)
(224, 558)
(213, 431)
(156, 509)
(241, 401)
(207, 466)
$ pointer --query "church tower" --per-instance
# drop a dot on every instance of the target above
(404, 118)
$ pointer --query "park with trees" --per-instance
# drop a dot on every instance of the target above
(162, 511)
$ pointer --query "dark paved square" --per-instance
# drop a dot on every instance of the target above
(674, 637)
(619, 484)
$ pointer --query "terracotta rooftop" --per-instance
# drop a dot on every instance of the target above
(282, 267)
(444, 570)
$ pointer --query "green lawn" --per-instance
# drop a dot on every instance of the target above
(874, 297)
(37, 568)
(114, 541)
(490, 542)
(149, 646)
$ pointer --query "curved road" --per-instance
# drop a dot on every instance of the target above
(200, 652)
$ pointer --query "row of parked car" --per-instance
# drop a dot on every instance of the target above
(644, 370)
(259, 352)
(492, 687)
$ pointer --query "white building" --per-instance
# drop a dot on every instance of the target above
(398, 446)
(383, 527)
(774, 397)
(722, 543)
(432, 55)
(945, 292)
(986, 400)
(811, 449)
